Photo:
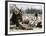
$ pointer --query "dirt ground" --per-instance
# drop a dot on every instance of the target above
(30, 26)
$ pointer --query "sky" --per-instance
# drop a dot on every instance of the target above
(24, 6)
(27, 6)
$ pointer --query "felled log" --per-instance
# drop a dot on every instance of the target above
(26, 26)
(25, 20)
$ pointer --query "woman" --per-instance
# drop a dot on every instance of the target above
(36, 15)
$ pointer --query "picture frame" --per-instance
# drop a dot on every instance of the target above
(6, 17)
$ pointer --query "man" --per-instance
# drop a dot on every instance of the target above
(15, 17)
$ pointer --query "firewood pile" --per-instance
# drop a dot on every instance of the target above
(28, 26)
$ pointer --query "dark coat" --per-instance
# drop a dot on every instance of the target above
(15, 18)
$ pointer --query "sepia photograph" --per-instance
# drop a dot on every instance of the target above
(25, 18)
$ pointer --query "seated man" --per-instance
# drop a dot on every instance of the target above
(15, 17)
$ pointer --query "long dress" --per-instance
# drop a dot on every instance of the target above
(36, 15)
